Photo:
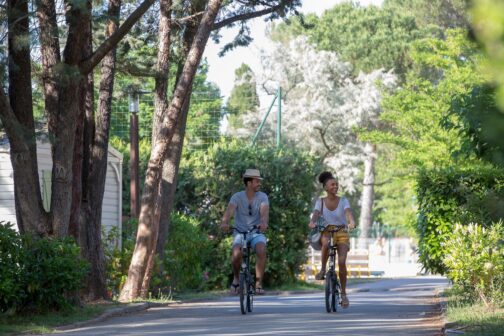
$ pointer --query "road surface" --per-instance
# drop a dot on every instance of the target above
(404, 306)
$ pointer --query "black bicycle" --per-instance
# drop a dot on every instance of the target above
(247, 280)
(332, 284)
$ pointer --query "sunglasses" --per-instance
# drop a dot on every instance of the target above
(250, 209)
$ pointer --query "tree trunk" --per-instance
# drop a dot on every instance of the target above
(80, 167)
(172, 161)
(96, 158)
(144, 246)
(30, 214)
(162, 67)
(70, 104)
(366, 215)
(169, 181)
(50, 51)
(160, 105)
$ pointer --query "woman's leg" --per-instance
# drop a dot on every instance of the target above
(342, 255)
(324, 256)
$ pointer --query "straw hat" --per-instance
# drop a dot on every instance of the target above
(253, 173)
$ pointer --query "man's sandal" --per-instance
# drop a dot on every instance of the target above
(344, 301)
(259, 291)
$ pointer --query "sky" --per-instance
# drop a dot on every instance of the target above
(222, 69)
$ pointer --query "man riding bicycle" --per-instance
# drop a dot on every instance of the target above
(251, 209)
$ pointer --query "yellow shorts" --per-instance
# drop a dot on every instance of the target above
(340, 238)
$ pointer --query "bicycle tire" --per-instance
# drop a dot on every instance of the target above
(243, 293)
(334, 293)
(250, 297)
(328, 287)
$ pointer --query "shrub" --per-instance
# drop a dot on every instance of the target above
(118, 258)
(38, 273)
(475, 261)
(11, 288)
(187, 254)
(53, 272)
(448, 196)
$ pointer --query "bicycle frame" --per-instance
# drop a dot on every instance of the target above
(332, 285)
(247, 283)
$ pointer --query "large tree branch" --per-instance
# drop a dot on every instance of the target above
(88, 65)
(245, 16)
(135, 71)
(9, 120)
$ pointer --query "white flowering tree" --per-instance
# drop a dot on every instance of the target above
(323, 106)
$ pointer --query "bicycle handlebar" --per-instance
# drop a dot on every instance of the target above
(254, 228)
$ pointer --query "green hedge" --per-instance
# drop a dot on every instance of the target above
(208, 179)
(450, 196)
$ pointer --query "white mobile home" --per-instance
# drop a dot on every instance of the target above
(112, 199)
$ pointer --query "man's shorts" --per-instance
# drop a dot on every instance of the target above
(340, 238)
(253, 238)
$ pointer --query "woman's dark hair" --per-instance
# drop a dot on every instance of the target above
(324, 177)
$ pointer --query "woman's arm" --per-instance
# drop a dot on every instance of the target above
(313, 220)
(349, 218)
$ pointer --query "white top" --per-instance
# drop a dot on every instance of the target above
(336, 217)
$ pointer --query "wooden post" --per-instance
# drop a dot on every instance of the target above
(134, 159)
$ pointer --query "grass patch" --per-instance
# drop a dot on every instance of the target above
(45, 323)
(474, 319)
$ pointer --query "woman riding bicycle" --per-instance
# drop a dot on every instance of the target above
(338, 215)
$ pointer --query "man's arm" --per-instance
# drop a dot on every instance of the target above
(228, 214)
(264, 210)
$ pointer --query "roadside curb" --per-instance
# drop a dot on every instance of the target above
(131, 308)
(447, 326)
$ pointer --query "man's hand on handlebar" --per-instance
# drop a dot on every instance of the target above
(263, 227)
(224, 227)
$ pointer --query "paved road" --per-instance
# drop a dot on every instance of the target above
(405, 306)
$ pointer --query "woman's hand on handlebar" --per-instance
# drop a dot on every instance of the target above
(312, 225)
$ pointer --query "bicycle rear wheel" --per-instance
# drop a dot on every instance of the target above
(328, 287)
(243, 293)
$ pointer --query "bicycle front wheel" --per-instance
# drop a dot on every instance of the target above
(243, 293)
(334, 293)
(250, 297)
(328, 289)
